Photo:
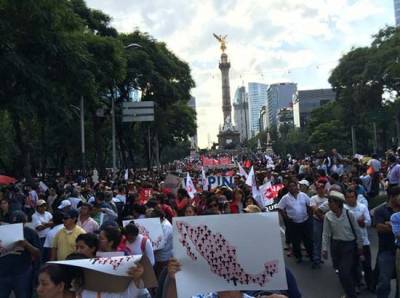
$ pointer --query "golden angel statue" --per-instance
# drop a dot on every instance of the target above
(222, 41)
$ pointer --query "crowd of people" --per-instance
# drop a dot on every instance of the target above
(324, 207)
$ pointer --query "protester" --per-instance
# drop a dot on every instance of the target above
(17, 267)
(316, 202)
(386, 257)
(58, 224)
(87, 244)
(137, 244)
(5, 212)
(42, 220)
(64, 241)
(295, 209)
(342, 233)
(85, 221)
(53, 282)
(361, 214)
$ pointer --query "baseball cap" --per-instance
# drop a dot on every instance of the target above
(304, 182)
(336, 195)
(40, 203)
(71, 214)
(64, 203)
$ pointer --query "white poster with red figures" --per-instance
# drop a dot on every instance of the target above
(228, 252)
(151, 228)
(110, 265)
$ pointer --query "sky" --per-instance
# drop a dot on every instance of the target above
(269, 41)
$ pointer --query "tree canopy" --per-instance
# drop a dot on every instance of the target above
(53, 53)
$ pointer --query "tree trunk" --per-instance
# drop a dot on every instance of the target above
(24, 160)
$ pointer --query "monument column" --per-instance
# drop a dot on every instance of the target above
(224, 66)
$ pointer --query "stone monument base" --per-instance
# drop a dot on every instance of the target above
(229, 139)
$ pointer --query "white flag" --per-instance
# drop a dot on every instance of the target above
(204, 180)
(190, 186)
(126, 176)
(251, 178)
(242, 172)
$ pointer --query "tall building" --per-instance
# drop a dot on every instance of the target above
(263, 118)
(257, 97)
(279, 96)
(241, 113)
(397, 12)
(193, 139)
(305, 101)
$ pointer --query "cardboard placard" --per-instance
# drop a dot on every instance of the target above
(220, 252)
(151, 228)
(9, 234)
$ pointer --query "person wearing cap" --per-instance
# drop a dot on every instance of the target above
(16, 269)
(342, 233)
(64, 241)
(42, 220)
(304, 185)
(295, 208)
(85, 221)
(65, 206)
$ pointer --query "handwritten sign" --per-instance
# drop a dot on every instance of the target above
(151, 228)
(220, 253)
(9, 234)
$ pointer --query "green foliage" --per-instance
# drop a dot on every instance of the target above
(52, 53)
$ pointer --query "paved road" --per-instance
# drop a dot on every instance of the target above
(324, 283)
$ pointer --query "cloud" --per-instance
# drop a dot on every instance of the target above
(268, 41)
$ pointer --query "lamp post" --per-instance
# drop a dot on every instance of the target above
(81, 116)
(114, 95)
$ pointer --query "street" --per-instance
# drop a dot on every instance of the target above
(324, 283)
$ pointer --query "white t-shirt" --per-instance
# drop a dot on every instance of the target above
(296, 208)
(358, 211)
(131, 292)
(165, 253)
(135, 248)
(51, 234)
(40, 219)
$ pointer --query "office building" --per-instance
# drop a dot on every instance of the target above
(193, 139)
(279, 96)
(241, 113)
(257, 97)
(397, 12)
(305, 101)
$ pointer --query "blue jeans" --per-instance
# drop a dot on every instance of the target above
(21, 285)
(318, 226)
(386, 262)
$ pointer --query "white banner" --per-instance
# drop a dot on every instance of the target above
(151, 228)
(223, 255)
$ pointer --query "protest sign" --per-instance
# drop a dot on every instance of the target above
(270, 192)
(222, 255)
(111, 274)
(215, 181)
(9, 234)
(151, 228)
